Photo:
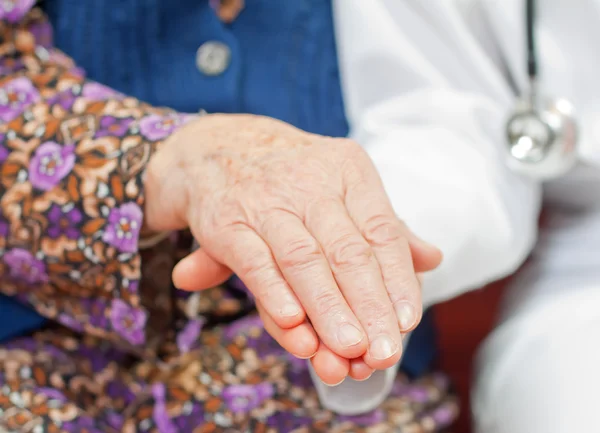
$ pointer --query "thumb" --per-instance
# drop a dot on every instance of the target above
(199, 271)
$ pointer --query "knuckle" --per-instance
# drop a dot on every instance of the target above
(395, 273)
(328, 304)
(382, 230)
(376, 310)
(353, 173)
(221, 215)
(397, 296)
(400, 284)
(255, 266)
(355, 163)
(400, 281)
(350, 147)
(300, 254)
(348, 253)
(268, 288)
(321, 204)
(273, 214)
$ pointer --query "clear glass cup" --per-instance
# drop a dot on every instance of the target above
(354, 398)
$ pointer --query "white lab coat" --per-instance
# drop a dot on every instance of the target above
(429, 104)
(428, 86)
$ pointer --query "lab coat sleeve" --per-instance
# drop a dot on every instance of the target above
(428, 103)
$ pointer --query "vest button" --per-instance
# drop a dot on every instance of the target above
(213, 58)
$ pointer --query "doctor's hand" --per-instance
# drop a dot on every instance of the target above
(302, 219)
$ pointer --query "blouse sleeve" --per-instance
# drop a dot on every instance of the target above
(72, 160)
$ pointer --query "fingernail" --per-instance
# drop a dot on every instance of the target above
(335, 384)
(366, 378)
(406, 315)
(305, 357)
(383, 347)
(349, 335)
(290, 310)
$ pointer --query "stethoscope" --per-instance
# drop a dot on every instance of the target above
(542, 135)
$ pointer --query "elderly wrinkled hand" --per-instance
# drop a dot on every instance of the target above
(305, 222)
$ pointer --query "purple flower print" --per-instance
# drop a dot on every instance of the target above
(443, 416)
(30, 345)
(97, 92)
(51, 394)
(81, 423)
(50, 164)
(64, 223)
(57, 354)
(25, 267)
(15, 96)
(159, 392)
(398, 389)
(65, 99)
(244, 398)
(70, 322)
(13, 10)
(159, 412)
(155, 127)
(162, 420)
(98, 357)
(441, 381)
(129, 322)
(375, 417)
(95, 357)
(25, 343)
(418, 394)
(296, 364)
(192, 419)
(96, 308)
(6, 67)
(4, 226)
(3, 150)
(113, 126)
(297, 372)
(264, 344)
(414, 392)
(123, 228)
(288, 421)
(42, 32)
(118, 390)
(242, 326)
(133, 287)
(114, 420)
(188, 336)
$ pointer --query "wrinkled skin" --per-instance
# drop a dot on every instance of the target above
(305, 222)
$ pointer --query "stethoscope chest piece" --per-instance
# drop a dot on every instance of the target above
(542, 142)
(541, 136)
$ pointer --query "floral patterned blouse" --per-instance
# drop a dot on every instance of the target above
(127, 352)
(73, 154)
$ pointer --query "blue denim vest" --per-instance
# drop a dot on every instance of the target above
(283, 64)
